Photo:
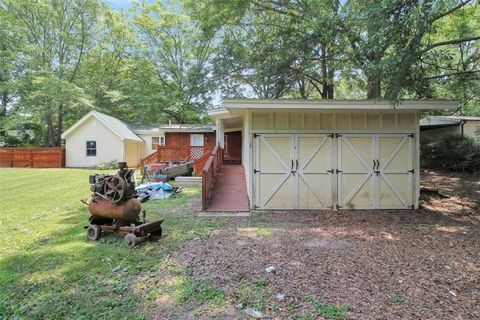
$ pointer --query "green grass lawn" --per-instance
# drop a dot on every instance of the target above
(48, 268)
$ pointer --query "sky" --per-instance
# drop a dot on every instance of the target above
(121, 4)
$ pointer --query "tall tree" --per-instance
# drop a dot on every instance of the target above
(181, 52)
(57, 34)
(273, 49)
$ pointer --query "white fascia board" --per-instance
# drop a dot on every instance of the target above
(216, 114)
(340, 104)
(92, 114)
(77, 124)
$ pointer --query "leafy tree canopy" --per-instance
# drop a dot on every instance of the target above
(173, 60)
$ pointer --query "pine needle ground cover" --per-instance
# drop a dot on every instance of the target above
(354, 264)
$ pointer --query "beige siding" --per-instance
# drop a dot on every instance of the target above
(148, 142)
(109, 146)
(313, 121)
(403, 150)
(133, 153)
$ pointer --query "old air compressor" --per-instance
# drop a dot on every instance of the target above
(114, 208)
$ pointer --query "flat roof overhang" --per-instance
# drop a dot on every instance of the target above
(235, 108)
(279, 104)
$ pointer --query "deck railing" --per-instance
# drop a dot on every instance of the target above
(209, 174)
(199, 164)
(176, 154)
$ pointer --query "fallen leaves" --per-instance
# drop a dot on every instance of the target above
(392, 264)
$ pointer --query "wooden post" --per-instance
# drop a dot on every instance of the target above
(31, 157)
(59, 153)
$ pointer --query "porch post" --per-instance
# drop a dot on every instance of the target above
(220, 133)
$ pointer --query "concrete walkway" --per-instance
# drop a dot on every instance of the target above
(230, 191)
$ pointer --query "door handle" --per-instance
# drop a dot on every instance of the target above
(296, 168)
(377, 166)
(373, 165)
(291, 168)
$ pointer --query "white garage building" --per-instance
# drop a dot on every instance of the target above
(301, 154)
(99, 138)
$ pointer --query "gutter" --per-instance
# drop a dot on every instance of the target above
(462, 123)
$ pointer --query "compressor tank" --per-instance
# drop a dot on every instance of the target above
(127, 211)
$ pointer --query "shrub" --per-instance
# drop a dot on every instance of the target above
(454, 152)
(108, 165)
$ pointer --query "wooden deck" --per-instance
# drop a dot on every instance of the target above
(230, 191)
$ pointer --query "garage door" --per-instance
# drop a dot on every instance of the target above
(314, 171)
(375, 171)
(273, 173)
(293, 171)
(355, 157)
(320, 171)
(395, 179)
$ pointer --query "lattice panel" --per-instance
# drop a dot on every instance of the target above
(177, 154)
(233, 146)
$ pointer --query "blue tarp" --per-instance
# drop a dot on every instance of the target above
(157, 190)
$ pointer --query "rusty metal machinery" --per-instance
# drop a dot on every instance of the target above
(114, 208)
(114, 188)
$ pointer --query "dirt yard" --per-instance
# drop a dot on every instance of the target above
(422, 264)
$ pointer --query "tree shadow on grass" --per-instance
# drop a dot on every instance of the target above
(63, 274)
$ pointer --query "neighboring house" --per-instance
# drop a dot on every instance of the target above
(176, 135)
(300, 154)
(441, 126)
(99, 138)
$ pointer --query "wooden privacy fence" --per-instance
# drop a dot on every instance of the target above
(32, 157)
(209, 174)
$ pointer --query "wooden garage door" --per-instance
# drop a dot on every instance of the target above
(313, 165)
(394, 171)
(375, 171)
(300, 171)
(355, 177)
(293, 171)
(273, 173)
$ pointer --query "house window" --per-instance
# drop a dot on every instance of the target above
(196, 140)
(157, 141)
(91, 148)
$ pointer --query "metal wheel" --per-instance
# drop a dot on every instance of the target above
(114, 188)
(157, 233)
(130, 240)
(93, 232)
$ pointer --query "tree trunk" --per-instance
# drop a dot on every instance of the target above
(324, 92)
(4, 95)
(373, 89)
(327, 74)
(330, 74)
(49, 139)
(58, 140)
(301, 89)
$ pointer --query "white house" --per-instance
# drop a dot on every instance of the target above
(97, 138)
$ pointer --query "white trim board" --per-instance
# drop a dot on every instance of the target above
(281, 104)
